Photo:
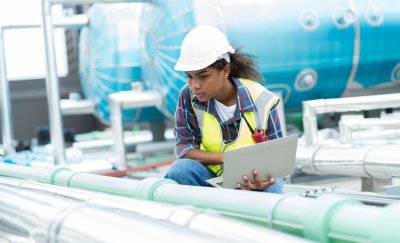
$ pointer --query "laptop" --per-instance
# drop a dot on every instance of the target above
(275, 157)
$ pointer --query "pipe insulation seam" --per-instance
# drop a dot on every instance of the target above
(148, 186)
(318, 215)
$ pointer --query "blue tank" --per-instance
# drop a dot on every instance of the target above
(110, 59)
(306, 49)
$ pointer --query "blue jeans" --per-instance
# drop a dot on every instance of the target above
(190, 172)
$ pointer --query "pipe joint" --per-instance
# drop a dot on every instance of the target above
(51, 176)
(148, 186)
(318, 215)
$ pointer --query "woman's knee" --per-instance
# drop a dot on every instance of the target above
(277, 187)
(181, 168)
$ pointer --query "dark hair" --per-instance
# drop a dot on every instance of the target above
(242, 66)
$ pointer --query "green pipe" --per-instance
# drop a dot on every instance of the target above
(65, 177)
(386, 231)
(39, 174)
(288, 218)
(353, 222)
(329, 218)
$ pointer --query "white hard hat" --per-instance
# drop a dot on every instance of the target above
(201, 47)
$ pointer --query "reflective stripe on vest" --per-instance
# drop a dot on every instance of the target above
(212, 139)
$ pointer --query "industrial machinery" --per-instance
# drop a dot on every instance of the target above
(110, 59)
(315, 54)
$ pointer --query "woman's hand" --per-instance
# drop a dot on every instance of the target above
(258, 184)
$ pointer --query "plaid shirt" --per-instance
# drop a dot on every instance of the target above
(187, 131)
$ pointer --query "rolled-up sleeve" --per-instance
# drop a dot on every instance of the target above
(187, 131)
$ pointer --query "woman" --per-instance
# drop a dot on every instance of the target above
(220, 94)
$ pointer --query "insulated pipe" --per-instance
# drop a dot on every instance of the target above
(348, 160)
(361, 129)
(200, 220)
(313, 107)
(372, 136)
(5, 103)
(52, 86)
(118, 135)
(95, 1)
(126, 100)
(52, 82)
(65, 220)
(318, 219)
(368, 198)
(77, 21)
(148, 148)
(74, 22)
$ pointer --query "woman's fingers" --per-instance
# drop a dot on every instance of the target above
(247, 184)
(257, 180)
(258, 184)
(269, 182)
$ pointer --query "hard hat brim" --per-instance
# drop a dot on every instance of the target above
(185, 68)
(179, 66)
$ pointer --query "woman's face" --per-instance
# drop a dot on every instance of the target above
(208, 83)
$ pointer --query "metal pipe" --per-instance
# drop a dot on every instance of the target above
(313, 107)
(66, 220)
(118, 135)
(77, 107)
(94, 1)
(5, 103)
(78, 21)
(318, 219)
(125, 100)
(348, 160)
(74, 22)
(52, 87)
(368, 198)
(155, 147)
(371, 136)
(359, 129)
(200, 220)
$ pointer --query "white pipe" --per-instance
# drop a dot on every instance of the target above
(52, 87)
(95, 1)
(126, 100)
(118, 135)
(360, 129)
(74, 22)
(77, 21)
(5, 103)
(313, 107)
(45, 218)
(369, 136)
(155, 147)
(365, 197)
(347, 160)
(198, 220)
(77, 107)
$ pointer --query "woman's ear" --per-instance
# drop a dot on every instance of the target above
(227, 70)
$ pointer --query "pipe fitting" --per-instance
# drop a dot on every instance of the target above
(147, 187)
(51, 176)
(317, 220)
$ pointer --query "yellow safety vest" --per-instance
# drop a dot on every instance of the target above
(212, 139)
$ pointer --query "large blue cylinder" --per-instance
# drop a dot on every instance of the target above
(110, 58)
(306, 49)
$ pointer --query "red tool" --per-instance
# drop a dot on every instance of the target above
(258, 135)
